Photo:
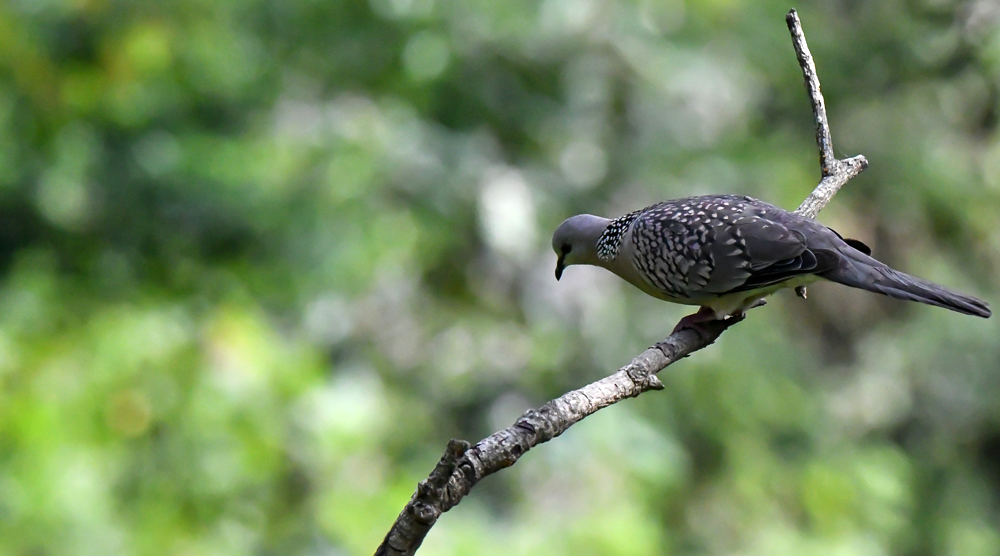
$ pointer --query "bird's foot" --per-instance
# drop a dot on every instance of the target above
(704, 323)
(699, 321)
(696, 322)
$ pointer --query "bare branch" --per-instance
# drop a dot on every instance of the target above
(823, 138)
(426, 504)
(835, 172)
(503, 448)
(462, 467)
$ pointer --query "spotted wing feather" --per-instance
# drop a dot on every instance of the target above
(710, 246)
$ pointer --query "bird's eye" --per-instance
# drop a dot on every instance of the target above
(566, 248)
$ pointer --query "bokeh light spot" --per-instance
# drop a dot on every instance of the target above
(426, 56)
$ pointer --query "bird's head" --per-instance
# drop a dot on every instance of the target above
(575, 241)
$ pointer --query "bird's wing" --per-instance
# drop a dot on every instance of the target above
(723, 249)
(771, 247)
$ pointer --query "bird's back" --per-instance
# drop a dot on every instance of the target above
(697, 247)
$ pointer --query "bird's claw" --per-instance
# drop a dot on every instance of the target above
(696, 321)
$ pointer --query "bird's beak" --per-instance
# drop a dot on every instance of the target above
(560, 265)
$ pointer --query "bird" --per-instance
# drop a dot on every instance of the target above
(727, 253)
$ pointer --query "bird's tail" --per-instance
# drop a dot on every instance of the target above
(861, 271)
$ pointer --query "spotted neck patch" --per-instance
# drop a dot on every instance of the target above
(611, 240)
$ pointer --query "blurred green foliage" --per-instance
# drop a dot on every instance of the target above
(260, 260)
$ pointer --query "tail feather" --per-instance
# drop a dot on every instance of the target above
(861, 271)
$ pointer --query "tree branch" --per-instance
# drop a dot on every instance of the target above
(835, 173)
(462, 467)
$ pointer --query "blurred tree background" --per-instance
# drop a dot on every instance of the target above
(260, 260)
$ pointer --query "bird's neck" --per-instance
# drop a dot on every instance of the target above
(610, 242)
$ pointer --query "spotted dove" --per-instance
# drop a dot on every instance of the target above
(726, 253)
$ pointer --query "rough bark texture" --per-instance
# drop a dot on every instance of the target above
(835, 173)
(461, 467)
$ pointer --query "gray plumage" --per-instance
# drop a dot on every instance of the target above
(728, 252)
